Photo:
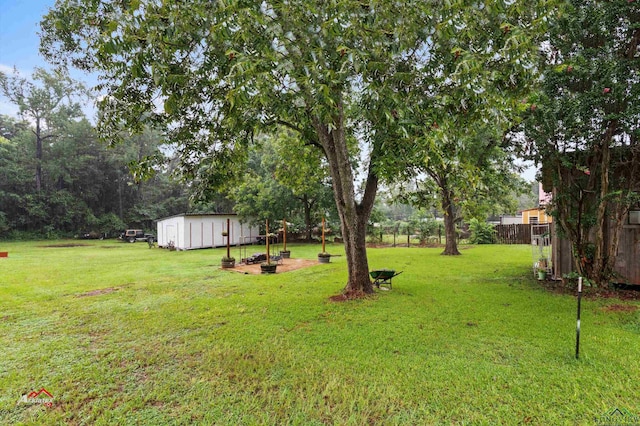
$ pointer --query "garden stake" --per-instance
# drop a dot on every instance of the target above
(228, 237)
(578, 324)
(266, 224)
(323, 246)
(284, 234)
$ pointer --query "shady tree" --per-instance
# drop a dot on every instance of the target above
(213, 74)
(583, 127)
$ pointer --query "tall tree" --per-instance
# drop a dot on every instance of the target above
(470, 174)
(337, 72)
(303, 171)
(583, 127)
(47, 101)
(260, 195)
(283, 180)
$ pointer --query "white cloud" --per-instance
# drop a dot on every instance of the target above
(7, 108)
(8, 69)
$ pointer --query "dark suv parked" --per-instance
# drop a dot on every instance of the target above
(133, 235)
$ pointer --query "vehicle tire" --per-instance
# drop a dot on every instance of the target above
(132, 240)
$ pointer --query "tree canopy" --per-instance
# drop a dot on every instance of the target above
(338, 72)
(283, 181)
(49, 100)
(583, 127)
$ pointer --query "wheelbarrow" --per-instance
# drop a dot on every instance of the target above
(383, 276)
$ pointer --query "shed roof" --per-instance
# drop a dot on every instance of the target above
(196, 215)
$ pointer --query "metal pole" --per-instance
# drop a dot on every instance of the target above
(578, 323)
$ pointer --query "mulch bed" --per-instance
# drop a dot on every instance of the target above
(621, 308)
(286, 266)
(591, 292)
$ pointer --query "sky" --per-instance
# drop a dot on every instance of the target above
(19, 43)
(19, 40)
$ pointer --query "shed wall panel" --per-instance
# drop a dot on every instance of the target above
(203, 231)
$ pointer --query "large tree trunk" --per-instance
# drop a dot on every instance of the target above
(451, 244)
(611, 211)
(599, 261)
(353, 214)
(602, 267)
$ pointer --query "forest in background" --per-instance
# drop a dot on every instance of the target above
(58, 179)
(88, 188)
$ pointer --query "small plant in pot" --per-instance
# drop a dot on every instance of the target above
(324, 257)
(286, 254)
(542, 267)
(268, 267)
(228, 262)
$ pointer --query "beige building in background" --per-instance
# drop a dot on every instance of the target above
(535, 216)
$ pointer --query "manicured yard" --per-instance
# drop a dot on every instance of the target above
(122, 334)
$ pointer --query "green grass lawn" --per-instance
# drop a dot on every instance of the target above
(121, 334)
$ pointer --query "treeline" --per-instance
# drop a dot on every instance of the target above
(58, 179)
(83, 186)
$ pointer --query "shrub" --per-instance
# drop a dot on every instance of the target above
(481, 232)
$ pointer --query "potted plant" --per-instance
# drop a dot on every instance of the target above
(542, 267)
(268, 267)
(284, 253)
(323, 256)
(228, 262)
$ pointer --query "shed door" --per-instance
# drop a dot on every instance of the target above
(171, 235)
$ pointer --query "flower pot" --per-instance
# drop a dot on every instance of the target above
(268, 268)
(285, 254)
(324, 259)
(228, 263)
(542, 275)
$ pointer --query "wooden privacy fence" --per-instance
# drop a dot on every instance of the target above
(513, 234)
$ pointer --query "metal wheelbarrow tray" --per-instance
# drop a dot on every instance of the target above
(383, 276)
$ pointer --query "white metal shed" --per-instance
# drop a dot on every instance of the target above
(196, 231)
